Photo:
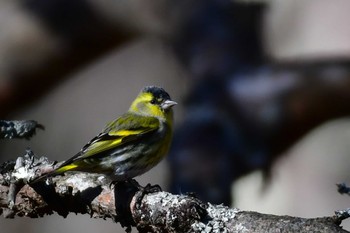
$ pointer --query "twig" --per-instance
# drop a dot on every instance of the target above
(18, 129)
(343, 188)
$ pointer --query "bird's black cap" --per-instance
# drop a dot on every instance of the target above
(157, 92)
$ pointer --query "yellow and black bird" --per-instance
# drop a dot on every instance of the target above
(130, 145)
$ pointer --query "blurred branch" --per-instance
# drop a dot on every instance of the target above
(18, 129)
(153, 212)
(68, 35)
(343, 188)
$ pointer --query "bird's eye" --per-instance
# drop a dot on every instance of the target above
(153, 101)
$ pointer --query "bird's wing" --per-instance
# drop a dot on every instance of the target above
(125, 129)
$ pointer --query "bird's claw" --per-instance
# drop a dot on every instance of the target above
(144, 191)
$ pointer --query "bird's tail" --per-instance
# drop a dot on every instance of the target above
(61, 169)
(68, 165)
(43, 177)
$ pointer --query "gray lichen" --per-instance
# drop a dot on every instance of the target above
(168, 211)
(220, 220)
(18, 129)
(25, 168)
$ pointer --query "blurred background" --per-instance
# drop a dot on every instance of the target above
(263, 89)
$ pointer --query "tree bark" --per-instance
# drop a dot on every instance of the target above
(124, 202)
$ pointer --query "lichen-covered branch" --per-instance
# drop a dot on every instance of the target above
(18, 129)
(125, 203)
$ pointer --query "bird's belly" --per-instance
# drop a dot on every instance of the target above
(132, 161)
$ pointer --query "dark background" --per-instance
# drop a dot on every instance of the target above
(73, 66)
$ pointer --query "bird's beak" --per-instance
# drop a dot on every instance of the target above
(167, 104)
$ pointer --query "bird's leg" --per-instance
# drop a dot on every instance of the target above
(152, 188)
(135, 184)
(147, 189)
(144, 190)
(112, 184)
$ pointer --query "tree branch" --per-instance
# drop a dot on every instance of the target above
(18, 129)
(125, 203)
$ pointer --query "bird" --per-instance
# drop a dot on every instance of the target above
(130, 145)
